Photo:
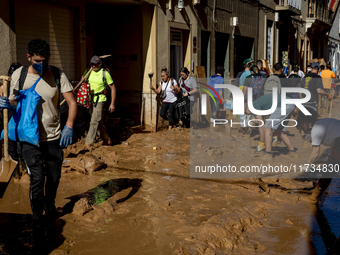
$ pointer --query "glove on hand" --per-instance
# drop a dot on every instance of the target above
(66, 137)
(4, 103)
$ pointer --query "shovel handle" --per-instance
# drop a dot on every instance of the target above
(87, 74)
(5, 79)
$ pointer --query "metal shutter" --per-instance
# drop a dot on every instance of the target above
(50, 22)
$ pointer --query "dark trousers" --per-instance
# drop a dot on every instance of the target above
(165, 107)
(43, 161)
(337, 89)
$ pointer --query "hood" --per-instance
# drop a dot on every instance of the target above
(215, 77)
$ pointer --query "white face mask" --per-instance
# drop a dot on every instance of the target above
(309, 70)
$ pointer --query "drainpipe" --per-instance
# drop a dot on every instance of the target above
(214, 11)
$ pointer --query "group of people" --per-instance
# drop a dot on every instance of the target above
(325, 131)
(177, 97)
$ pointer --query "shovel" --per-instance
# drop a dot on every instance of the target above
(7, 163)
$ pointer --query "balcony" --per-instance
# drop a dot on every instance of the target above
(319, 18)
(291, 7)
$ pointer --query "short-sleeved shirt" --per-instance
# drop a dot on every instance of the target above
(327, 76)
(188, 85)
(243, 77)
(312, 82)
(265, 102)
(325, 131)
(97, 84)
(170, 94)
(47, 109)
(238, 76)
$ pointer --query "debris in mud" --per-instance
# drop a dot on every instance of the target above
(92, 163)
(82, 207)
(84, 164)
(289, 222)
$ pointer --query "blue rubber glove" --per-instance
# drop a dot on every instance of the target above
(66, 137)
(4, 103)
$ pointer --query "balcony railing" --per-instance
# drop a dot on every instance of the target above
(296, 4)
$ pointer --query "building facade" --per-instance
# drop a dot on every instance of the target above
(144, 35)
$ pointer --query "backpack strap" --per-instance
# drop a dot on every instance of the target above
(56, 75)
(104, 77)
(23, 76)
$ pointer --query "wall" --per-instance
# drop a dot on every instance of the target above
(158, 53)
(7, 37)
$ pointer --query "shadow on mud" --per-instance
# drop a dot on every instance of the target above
(104, 191)
(16, 235)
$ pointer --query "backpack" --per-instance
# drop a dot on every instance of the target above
(257, 83)
(272, 81)
(107, 87)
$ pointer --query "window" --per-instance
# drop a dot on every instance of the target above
(269, 44)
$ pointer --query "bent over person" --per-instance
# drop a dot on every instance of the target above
(98, 80)
(46, 159)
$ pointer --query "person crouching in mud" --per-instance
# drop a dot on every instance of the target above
(167, 87)
(326, 132)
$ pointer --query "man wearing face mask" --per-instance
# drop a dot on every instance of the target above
(98, 80)
(48, 157)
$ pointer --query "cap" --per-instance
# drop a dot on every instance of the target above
(246, 61)
(95, 60)
(316, 64)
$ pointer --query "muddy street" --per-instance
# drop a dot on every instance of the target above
(144, 202)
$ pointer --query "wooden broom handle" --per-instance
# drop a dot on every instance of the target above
(87, 74)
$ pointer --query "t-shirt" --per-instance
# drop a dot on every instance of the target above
(238, 76)
(47, 108)
(188, 85)
(265, 102)
(243, 77)
(170, 94)
(312, 82)
(325, 131)
(97, 84)
(327, 76)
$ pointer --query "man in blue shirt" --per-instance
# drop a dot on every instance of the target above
(213, 80)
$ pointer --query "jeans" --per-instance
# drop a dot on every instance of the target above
(212, 104)
(42, 161)
(96, 122)
(165, 107)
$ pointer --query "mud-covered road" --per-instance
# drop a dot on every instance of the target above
(144, 202)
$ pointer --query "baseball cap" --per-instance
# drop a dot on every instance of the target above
(316, 65)
(247, 61)
(95, 60)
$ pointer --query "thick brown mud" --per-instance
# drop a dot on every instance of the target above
(138, 198)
